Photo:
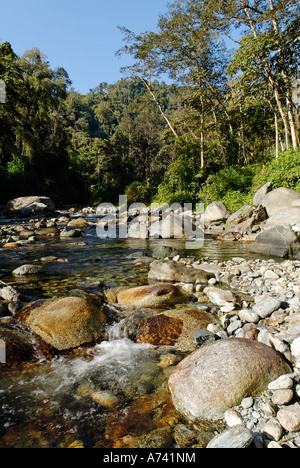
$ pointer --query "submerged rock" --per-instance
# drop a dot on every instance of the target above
(174, 328)
(219, 376)
(28, 270)
(64, 323)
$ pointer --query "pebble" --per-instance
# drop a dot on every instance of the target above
(237, 437)
(284, 382)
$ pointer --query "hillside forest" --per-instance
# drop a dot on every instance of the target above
(208, 109)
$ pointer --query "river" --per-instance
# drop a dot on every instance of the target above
(56, 403)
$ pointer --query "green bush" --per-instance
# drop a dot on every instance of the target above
(138, 192)
(283, 172)
(231, 186)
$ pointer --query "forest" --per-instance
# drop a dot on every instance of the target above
(208, 109)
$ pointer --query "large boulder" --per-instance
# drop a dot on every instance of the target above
(245, 217)
(175, 271)
(261, 193)
(174, 227)
(280, 199)
(216, 213)
(277, 241)
(28, 206)
(220, 375)
(284, 217)
(158, 295)
(64, 323)
(174, 328)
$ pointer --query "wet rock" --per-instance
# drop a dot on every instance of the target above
(184, 436)
(174, 328)
(64, 323)
(105, 399)
(159, 295)
(219, 376)
(27, 270)
(238, 437)
(174, 271)
(78, 222)
(17, 346)
(164, 251)
(71, 233)
(47, 232)
(203, 337)
(159, 438)
(160, 331)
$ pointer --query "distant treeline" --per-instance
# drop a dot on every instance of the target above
(231, 109)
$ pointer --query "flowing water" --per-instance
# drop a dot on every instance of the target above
(108, 395)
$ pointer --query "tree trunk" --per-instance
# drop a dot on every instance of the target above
(149, 88)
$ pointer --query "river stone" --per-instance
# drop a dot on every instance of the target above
(174, 271)
(78, 222)
(266, 306)
(164, 251)
(219, 297)
(280, 199)
(174, 328)
(64, 323)
(278, 241)
(237, 437)
(289, 418)
(28, 270)
(30, 205)
(219, 376)
(69, 234)
(158, 295)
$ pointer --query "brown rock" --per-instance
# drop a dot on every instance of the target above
(78, 222)
(158, 295)
(174, 328)
(64, 323)
(160, 331)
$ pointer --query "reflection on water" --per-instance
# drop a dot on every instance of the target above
(93, 259)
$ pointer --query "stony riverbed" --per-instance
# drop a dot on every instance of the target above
(115, 390)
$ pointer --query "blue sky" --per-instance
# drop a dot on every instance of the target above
(81, 36)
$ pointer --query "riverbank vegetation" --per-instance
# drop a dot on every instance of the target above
(208, 110)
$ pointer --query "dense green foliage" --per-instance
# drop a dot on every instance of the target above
(226, 122)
